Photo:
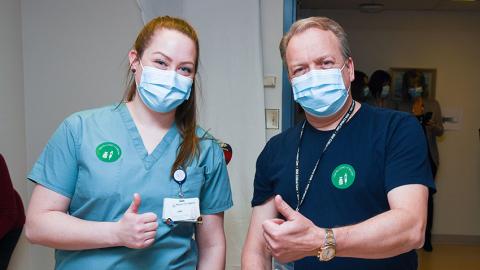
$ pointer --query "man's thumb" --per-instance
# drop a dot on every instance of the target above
(284, 209)
(135, 204)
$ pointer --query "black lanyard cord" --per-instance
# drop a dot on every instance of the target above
(297, 161)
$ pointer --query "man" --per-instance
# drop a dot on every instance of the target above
(357, 175)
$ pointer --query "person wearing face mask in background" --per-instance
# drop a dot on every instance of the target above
(379, 86)
(416, 100)
(345, 189)
(136, 185)
(360, 89)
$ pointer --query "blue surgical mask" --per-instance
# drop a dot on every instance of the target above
(415, 91)
(163, 90)
(385, 91)
(321, 93)
(366, 91)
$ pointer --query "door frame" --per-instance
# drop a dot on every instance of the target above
(288, 104)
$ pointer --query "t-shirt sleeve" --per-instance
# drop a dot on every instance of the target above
(262, 186)
(407, 159)
(56, 168)
(216, 193)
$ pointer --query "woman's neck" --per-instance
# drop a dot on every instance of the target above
(143, 116)
(331, 122)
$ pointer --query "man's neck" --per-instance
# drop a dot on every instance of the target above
(331, 122)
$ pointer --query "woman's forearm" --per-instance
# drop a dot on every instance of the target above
(62, 231)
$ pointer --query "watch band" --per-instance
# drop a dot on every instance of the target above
(327, 251)
(329, 237)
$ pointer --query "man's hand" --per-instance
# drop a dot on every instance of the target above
(136, 230)
(294, 238)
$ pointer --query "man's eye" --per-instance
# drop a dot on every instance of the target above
(297, 71)
(328, 64)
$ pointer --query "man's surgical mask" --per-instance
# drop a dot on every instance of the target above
(163, 90)
(385, 91)
(321, 93)
(415, 91)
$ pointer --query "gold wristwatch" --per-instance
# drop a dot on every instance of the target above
(327, 251)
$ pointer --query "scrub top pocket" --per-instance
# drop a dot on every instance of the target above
(193, 184)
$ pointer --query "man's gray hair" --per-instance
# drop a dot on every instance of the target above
(322, 23)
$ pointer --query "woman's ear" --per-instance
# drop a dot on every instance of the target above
(133, 60)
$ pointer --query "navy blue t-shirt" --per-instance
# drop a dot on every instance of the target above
(376, 151)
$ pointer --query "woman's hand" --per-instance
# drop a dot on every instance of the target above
(136, 230)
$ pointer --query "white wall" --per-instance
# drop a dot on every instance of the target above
(12, 116)
(272, 32)
(74, 59)
(447, 41)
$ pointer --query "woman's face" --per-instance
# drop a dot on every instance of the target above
(168, 50)
(414, 82)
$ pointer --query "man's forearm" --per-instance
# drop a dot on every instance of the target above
(212, 257)
(256, 261)
(388, 234)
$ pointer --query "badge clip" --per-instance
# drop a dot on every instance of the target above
(180, 176)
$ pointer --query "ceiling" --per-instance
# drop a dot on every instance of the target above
(396, 5)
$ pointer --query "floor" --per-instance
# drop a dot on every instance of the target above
(443, 257)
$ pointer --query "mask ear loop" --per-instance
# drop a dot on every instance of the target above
(134, 70)
(344, 64)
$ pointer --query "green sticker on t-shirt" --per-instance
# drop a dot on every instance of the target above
(343, 176)
(108, 152)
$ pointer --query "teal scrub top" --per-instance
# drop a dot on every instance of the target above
(98, 160)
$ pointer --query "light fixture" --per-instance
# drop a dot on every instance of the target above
(371, 7)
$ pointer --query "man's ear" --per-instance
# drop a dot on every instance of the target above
(351, 69)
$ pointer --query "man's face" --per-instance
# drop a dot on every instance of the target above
(316, 49)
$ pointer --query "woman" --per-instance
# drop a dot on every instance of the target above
(379, 86)
(427, 110)
(149, 147)
(359, 88)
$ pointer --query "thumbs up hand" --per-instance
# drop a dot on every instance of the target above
(136, 230)
(294, 238)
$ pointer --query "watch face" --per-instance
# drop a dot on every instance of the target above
(328, 253)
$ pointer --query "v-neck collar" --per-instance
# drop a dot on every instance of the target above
(148, 159)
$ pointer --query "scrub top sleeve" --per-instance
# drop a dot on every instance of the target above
(216, 194)
(56, 168)
(407, 156)
(262, 186)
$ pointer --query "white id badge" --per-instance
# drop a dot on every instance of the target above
(181, 210)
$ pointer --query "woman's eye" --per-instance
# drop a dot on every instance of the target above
(185, 70)
(161, 63)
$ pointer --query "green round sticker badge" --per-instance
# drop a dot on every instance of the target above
(343, 176)
(108, 152)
